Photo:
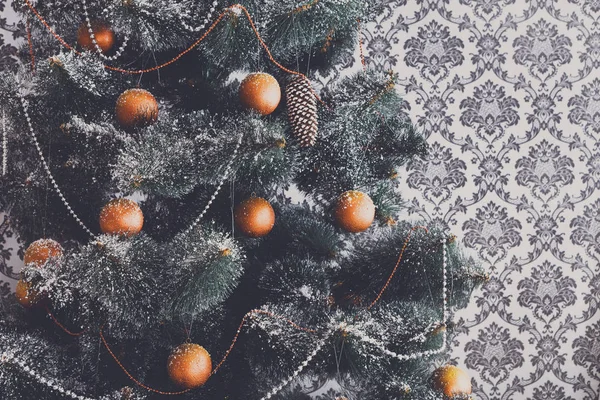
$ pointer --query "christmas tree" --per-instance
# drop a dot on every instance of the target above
(202, 220)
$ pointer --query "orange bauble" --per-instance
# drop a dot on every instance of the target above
(451, 381)
(189, 365)
(354, 211)
(121, 217)
(136, 108)
(254, 217)
(25, 295)
(104, 36)
(41, 251)
(260, 92)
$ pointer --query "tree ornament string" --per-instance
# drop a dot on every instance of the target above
(140, 384)
(324, 333)
(46, 167)
(404, 246)
(60, 194)
(95, 42)
(217, 190)
(4, 145)
(205, 21)
(214, 371)
(224, 13)
(360, 46)
(298, 370)
(30, 42)
(10, 358)
(61, 326)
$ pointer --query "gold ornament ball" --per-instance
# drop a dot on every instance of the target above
(189, 366)
(136, 108)
(121, 217)
(354, 211)
(25, 295)
(40, 251)
(451, 381)
(260, 92)
(254, 217)
(103, 34)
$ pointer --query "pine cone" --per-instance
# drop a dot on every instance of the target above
(302, 111)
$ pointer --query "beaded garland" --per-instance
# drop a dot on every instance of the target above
(46, 167)
(4, 146)
(93, 37)
(344, 326)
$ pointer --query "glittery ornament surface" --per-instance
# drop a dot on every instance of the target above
(451, 381)
(103, 34)
(41, 251)
(189, 365)
(354, 211)
(26, 296)
(121, 217)
(254, 217)
(260, 92)
(136, 108)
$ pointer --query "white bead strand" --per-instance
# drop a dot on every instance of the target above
(47, 168)
(205, 22)
(93, 37)
(298, 370)
(4, 145)
(217, 190)
(419, 354)
(7, 357)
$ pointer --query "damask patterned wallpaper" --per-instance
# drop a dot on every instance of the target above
(508, 94)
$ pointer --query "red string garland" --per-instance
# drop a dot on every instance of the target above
(225, 12)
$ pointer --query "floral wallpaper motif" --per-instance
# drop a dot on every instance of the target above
(508, 94)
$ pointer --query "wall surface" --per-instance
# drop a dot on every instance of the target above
(508, 94)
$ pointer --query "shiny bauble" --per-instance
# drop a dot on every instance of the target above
(25, 295)
(260, 92)
(40, 251)
(105, 37)
(451, 381)
(136, 108)
(354, 211)
(189, 366)
(122, 217)
(254, 217)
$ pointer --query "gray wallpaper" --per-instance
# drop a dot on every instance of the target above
(508, 94)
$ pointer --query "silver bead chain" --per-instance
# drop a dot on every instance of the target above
(93, 37)
(298, 370)
(187, 230)
(206, 20)
(47, 169)
(7, 357)
(4, 145)
(419, 354)
(360, 335)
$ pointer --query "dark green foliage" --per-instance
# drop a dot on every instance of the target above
(151, 292)
(363, 140)
(209, 266)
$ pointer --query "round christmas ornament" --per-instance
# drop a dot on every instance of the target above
(260, 92)
(136, 108)
(103, 34)
(451, 381)
(254, 217)
(354, 211)
(25, 295)
(121, 217)
(189, 365)
(41, 251)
